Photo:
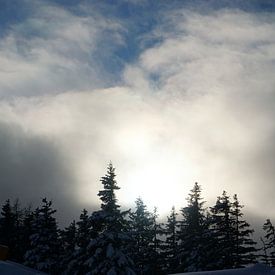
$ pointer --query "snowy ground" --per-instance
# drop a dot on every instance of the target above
(11, 268)
(257, 269)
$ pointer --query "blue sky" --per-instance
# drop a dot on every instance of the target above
(172, 92)
(138, 19)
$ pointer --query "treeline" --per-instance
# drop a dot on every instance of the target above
(111, 241)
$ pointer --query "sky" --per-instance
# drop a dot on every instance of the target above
(171, 92)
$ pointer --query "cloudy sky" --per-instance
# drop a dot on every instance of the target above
(171, 92)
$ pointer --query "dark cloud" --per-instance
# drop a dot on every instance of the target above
(32, 167)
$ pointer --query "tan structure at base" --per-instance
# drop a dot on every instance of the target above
(4, 250)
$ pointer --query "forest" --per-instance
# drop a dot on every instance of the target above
(112, 241)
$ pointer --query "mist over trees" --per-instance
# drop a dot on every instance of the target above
(112, 241)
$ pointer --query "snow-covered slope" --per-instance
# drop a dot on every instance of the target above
(258, 269)
(11, 268)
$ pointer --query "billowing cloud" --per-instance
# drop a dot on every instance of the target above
(198, 105)
(55, 50)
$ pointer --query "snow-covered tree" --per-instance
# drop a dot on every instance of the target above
(82, 231)
(264, 257)
(142, 230)
(68, 240)
(44, 242)
(244, 247)
(234, 244)
(157, 257)
(108, 248)
(8, 225)
(171, 243)
(270, 240)
(223, 230)
(192, 232)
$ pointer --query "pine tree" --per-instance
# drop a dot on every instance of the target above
(44, 242)
(82, 239)
(108, 250)
(69, 243)
(142, 225)
(264, 257)
(18, 238)
(83, 231)
(157, 257)
(12, 230)
(222, 228)
(8, 227)
(244, 246)
(28, 218)
(192, 232)
(270, 240)
(171, 244)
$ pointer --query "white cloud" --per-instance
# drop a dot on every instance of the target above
(200, 102)
(54, 51)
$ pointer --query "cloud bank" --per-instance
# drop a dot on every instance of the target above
(198, 105)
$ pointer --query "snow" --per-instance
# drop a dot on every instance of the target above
(257, 269)
(11, 268)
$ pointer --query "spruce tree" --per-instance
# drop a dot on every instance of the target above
(264, 258)
(28, 218)
(69, 243)
(270, 240)
(171, 244)
(244, 247)
(142, 251)
(108, 250)
(192, 233)
(82, 239)
(222, 228)
(233, 234)
(8, 227)
(157, 256)
(44, 249)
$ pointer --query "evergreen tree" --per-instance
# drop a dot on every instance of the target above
(157, 257)
(69, 243)
(223, 228)
(233, 234)
(44, 242)
(28, 218)
(270, 240)
(193, 232)
(18, 238)
(264, 257)
(108, 250)
(244, 246)
(142, 251)
(171, 244)
(8, 227)
(82, 239)
(83, 231)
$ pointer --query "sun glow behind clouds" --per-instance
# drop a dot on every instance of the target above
(157, 173)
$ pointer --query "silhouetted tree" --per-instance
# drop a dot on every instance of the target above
(244, 246)
(82, 240)
(142, 224)
(69, 243)
(270, 240)
(8, 227)
(157, 257)
(192, 232)
(264, 256)
(171, 243)
(108, 250)
(222, 226)
(44, 242)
